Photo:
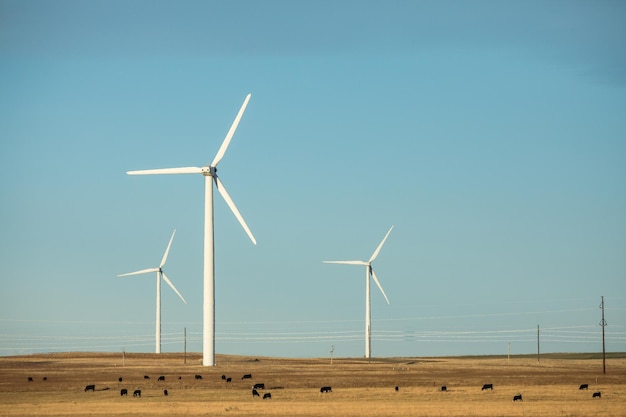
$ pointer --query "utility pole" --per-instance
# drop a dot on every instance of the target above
(185, 337)
(508, 352)
(538, 356)
(603, 324)
(332, 349)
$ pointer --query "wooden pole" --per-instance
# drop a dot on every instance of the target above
(508, 352)
(538, 354)
(603, 324)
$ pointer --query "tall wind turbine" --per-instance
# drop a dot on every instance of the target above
(210, 177)
(160, 275)
(369, 271)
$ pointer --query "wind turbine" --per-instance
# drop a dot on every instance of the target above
(210, 177)
(369, 271)
(160, 274)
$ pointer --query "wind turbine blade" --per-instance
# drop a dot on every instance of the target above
(229, 135)
(167, 250)
(378, 283)
(346, 262)
(233, 208)
(375, 254)
(143, 271)
(166, 279)
(183, 170)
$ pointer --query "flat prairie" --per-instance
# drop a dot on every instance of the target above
(54, 385)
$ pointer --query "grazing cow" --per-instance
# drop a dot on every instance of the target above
(146, 377)
(583, 386)
(198, 377)
(90, 388)
(444, 388)
(123, 392)
(397, 388)
(597, 395)
(247, 376)
(517, 397)
(259, 386)
(119, 379)
(267, 396)
(30, 379)
(165, 392)
(255, 393)
(223, 376)
(326, 389)
(137, 393)
(45, 378)
(161, 378)
(487, 386)
(229, 379)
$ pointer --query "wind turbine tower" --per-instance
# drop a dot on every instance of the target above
(369, 272)
(210, 177)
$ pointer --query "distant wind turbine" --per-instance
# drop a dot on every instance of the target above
(369, 271)
(210, 176)
(160, 274)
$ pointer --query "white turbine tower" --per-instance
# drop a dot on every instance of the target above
(210, 176)
(160, 275)
(369, 271)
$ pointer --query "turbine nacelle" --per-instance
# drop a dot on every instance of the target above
(209, 171)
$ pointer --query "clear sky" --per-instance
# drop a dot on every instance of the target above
(491, 134)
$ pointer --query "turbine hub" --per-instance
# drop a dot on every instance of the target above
(209, 171)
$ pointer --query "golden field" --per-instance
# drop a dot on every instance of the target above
(359, 387)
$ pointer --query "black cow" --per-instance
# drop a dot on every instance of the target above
(119, 379)
(30, 379)
(583, 386)
(146, 377)
(259, 385)
(267, 396)
(123, 392)
(223, 376)
(597, 395)
(255, 393)
(165, 392)
(198, 377)
(137, 393)
(229, 379)
(90, 388)
(247, 376)
(397, 388)
(444, 388)
(161, 378)
(487, 386)
(517, 397)
(45, 378)
(326, 389)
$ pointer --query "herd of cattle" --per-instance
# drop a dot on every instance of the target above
(267, 395)
(137, 393)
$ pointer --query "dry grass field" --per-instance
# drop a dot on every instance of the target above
(360, 388)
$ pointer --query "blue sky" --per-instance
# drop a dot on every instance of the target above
(491, 134)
